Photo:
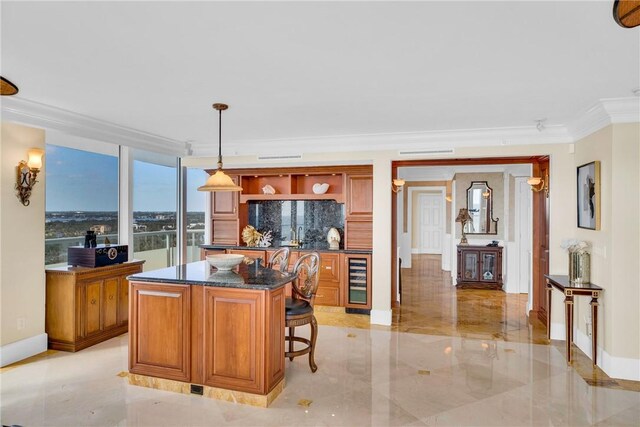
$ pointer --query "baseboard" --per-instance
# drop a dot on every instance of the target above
(616, 367)
(19, 350)
(381, 317)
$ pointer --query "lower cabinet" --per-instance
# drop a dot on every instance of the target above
(159, 338)
(85, 306)
(220, 337)
(345, 278)
(479, 267)
(330, 278)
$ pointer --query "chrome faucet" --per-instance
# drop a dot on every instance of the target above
(299, 235)
(295, 236)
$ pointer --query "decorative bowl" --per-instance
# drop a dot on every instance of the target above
(320, 188)
(268, 189)
(225, 262)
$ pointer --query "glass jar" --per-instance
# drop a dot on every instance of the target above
(579, 267)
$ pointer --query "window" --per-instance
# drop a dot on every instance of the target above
(81, 194)
(154, 209)
(195, 221)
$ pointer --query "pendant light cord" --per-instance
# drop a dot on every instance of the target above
(219, 139)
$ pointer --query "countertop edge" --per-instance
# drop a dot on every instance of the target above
(255, 248)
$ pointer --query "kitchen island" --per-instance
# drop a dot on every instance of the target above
(194, 329)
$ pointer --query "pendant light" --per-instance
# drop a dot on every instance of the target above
(7, 88)
(220, 181)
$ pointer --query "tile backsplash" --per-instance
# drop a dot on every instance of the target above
(312, 219)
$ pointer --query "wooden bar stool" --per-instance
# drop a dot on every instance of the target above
(280, 260)
(299, 308)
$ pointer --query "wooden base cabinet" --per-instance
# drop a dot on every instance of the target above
(219, 337)
(85, 306)
(479, 267)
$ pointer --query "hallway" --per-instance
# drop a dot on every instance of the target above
(431, 305)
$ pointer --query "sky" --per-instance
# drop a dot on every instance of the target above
(78, 180)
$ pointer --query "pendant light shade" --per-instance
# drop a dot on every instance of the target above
(219, 181)
(7, 88)
(627, 13)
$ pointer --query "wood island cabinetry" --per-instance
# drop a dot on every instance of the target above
(85, 306)
(224, 336)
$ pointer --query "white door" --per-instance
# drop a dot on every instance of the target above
(523, 234)
(431, 223)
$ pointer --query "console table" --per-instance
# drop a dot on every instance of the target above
(569, 289)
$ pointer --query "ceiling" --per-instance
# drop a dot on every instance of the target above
(313, 69)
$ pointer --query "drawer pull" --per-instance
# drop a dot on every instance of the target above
(328, 267)
(110, 297)
(160, 294)
(93, 301)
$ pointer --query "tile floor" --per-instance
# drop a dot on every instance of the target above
(365, 377)
(450, 358)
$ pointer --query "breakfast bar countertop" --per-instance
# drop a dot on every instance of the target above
(245, 276)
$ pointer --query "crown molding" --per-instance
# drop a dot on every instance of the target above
(601, 114)
(604, 113)
(36, 114)
(393, 141)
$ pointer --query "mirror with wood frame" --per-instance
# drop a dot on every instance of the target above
(480, 206)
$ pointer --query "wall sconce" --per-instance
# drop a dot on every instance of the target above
(397, 184)
(27, 172)
(539, 184)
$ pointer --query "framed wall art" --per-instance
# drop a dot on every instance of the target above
(589, 196)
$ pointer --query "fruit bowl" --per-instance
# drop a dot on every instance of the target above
(224, 262)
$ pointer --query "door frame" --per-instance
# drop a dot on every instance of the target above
(439, 190)
(539, 228)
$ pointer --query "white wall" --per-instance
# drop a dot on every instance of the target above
(22, 281)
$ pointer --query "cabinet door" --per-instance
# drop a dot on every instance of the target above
(357, 281)
(110, 303)
(360, 196)
(225, 231)
(92, 307)
(233, 348)
(489, 263)
(470, 266)
(159, 331)
(358, 234)
(224, 204)
(329, 269)
(123, 301)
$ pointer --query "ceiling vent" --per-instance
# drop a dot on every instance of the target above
(268, 158)
(426, 152)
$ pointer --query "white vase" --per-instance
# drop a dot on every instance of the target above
(579, 267)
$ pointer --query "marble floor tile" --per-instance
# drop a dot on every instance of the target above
(450, 358)
(375, 378)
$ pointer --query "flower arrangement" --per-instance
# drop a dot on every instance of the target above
(575, 245)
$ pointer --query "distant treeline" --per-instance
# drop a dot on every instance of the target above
(73, 224)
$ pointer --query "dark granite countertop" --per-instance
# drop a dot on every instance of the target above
(304, 248)
(245, 276)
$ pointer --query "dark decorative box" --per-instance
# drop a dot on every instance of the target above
(97, 257)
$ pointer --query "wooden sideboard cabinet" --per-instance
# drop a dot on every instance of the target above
(479, 267)
(85, 306)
